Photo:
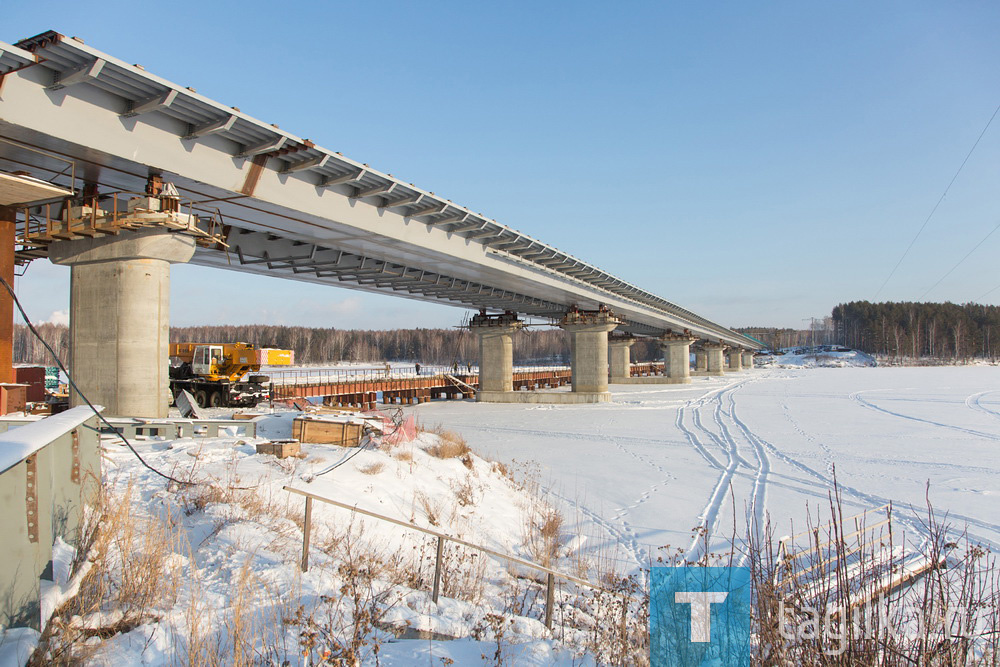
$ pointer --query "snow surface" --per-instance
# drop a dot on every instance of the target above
(644, 470)
(818, 357)
(630, 476)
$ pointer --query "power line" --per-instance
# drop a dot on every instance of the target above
(940, 199)
(988, 293)
(960, 262)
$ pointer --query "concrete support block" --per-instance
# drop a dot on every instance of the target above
(716, 363)
(701, 360)
(677, 357)
(620, 359)
(120, 318)
(552, 397)
(588, 333)
(734, 360)
(496, 353)
(747, 359)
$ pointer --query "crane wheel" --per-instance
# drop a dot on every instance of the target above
(201, 398)
(215, 400)
(258, 379)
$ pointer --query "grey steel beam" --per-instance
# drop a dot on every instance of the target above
(312, 163)
(382, 189)
(405, 201)
(154, 103)
(343, 178)
(211, 127)
(267, 146)
(85, 72)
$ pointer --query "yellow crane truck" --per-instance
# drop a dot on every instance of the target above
(221, 375)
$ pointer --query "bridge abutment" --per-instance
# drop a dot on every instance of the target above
(120, 317)
(747, 359)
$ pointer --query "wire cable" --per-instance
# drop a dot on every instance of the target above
(959, 262)
(397, 419)
(940, 199)
(72, 383)
(988, 293)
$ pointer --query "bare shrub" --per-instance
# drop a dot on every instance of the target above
(128, 579)
(450, 445)
(373, 468)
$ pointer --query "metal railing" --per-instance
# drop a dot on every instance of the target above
(551, 575)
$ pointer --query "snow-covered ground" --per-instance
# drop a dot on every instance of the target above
(643, 471)
(631, 476)
(825, 356)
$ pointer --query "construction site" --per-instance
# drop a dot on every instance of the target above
(215, 501)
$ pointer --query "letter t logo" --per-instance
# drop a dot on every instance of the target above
(701, 612)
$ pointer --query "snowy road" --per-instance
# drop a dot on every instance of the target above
(659, 462)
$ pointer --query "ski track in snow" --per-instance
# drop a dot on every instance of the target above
(710, 515)
(975, 402)
(856, 396)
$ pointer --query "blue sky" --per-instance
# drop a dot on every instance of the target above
(755, 162)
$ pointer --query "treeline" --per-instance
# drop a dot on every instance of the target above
(776, 338)
(940, 330)
(318, 346)
(28, 349)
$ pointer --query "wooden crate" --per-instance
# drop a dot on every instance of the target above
(282, 449)
(341, 432)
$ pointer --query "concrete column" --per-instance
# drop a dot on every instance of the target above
(589, 343)
(715, 358)
(120, 317)
(735, 360)
(747, 359)
(701, 360)
(620, 358)
(677, 357)
(496, 354)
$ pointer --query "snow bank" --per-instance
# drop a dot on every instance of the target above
(820, 357)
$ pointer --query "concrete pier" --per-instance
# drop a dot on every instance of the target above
(676, 358)
(620, 358)
(496, 356)
(715, 362)
(734, 363)
(588, 333)
(747, 359)
(701, 360)
(120, 317)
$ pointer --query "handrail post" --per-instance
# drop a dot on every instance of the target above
(550, 597)
(307, 524)
(437, 569)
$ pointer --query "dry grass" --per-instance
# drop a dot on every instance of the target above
(450, 445)
(128, 580)
(373, 468)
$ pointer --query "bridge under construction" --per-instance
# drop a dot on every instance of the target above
(118, 173)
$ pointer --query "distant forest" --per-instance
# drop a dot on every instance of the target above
(912, 330)
(940, 330)
(317, 346)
